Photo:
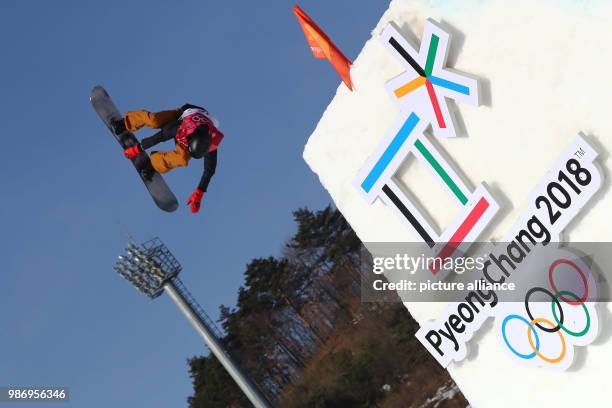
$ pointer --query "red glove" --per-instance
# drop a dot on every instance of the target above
(132, 151)
(195, 200)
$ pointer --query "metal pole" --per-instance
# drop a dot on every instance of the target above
(249, 389)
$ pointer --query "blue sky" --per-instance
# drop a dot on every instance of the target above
(70, 200)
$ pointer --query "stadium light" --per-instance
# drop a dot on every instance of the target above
(152, 269)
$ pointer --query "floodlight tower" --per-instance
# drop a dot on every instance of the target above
(152, 269)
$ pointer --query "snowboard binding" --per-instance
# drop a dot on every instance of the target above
(144, 166)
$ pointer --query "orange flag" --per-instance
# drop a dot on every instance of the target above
(322, 47)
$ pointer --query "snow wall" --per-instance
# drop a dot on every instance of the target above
(543, 70)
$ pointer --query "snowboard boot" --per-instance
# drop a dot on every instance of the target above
(118, 126)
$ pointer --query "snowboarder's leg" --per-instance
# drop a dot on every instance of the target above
(136, 119)
(166, 161)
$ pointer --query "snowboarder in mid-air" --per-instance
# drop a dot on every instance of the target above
(195, 133)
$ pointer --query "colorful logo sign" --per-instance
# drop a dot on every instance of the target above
(532, 338)
(534, 333)
(421, 94)
(557, 311)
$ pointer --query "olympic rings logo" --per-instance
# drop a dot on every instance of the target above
(198, 117)
(558, 299)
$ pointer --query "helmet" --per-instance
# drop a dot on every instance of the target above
(199, 142)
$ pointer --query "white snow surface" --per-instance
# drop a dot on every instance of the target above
(544, 73)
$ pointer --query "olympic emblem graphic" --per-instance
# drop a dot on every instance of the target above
(552, 320)
(421, 93)
(556, 314)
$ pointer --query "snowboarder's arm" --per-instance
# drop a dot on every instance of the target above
(210, 165)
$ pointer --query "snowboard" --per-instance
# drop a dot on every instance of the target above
(159, 190)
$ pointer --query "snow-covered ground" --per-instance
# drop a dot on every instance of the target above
(543, 68)
(444, 393)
